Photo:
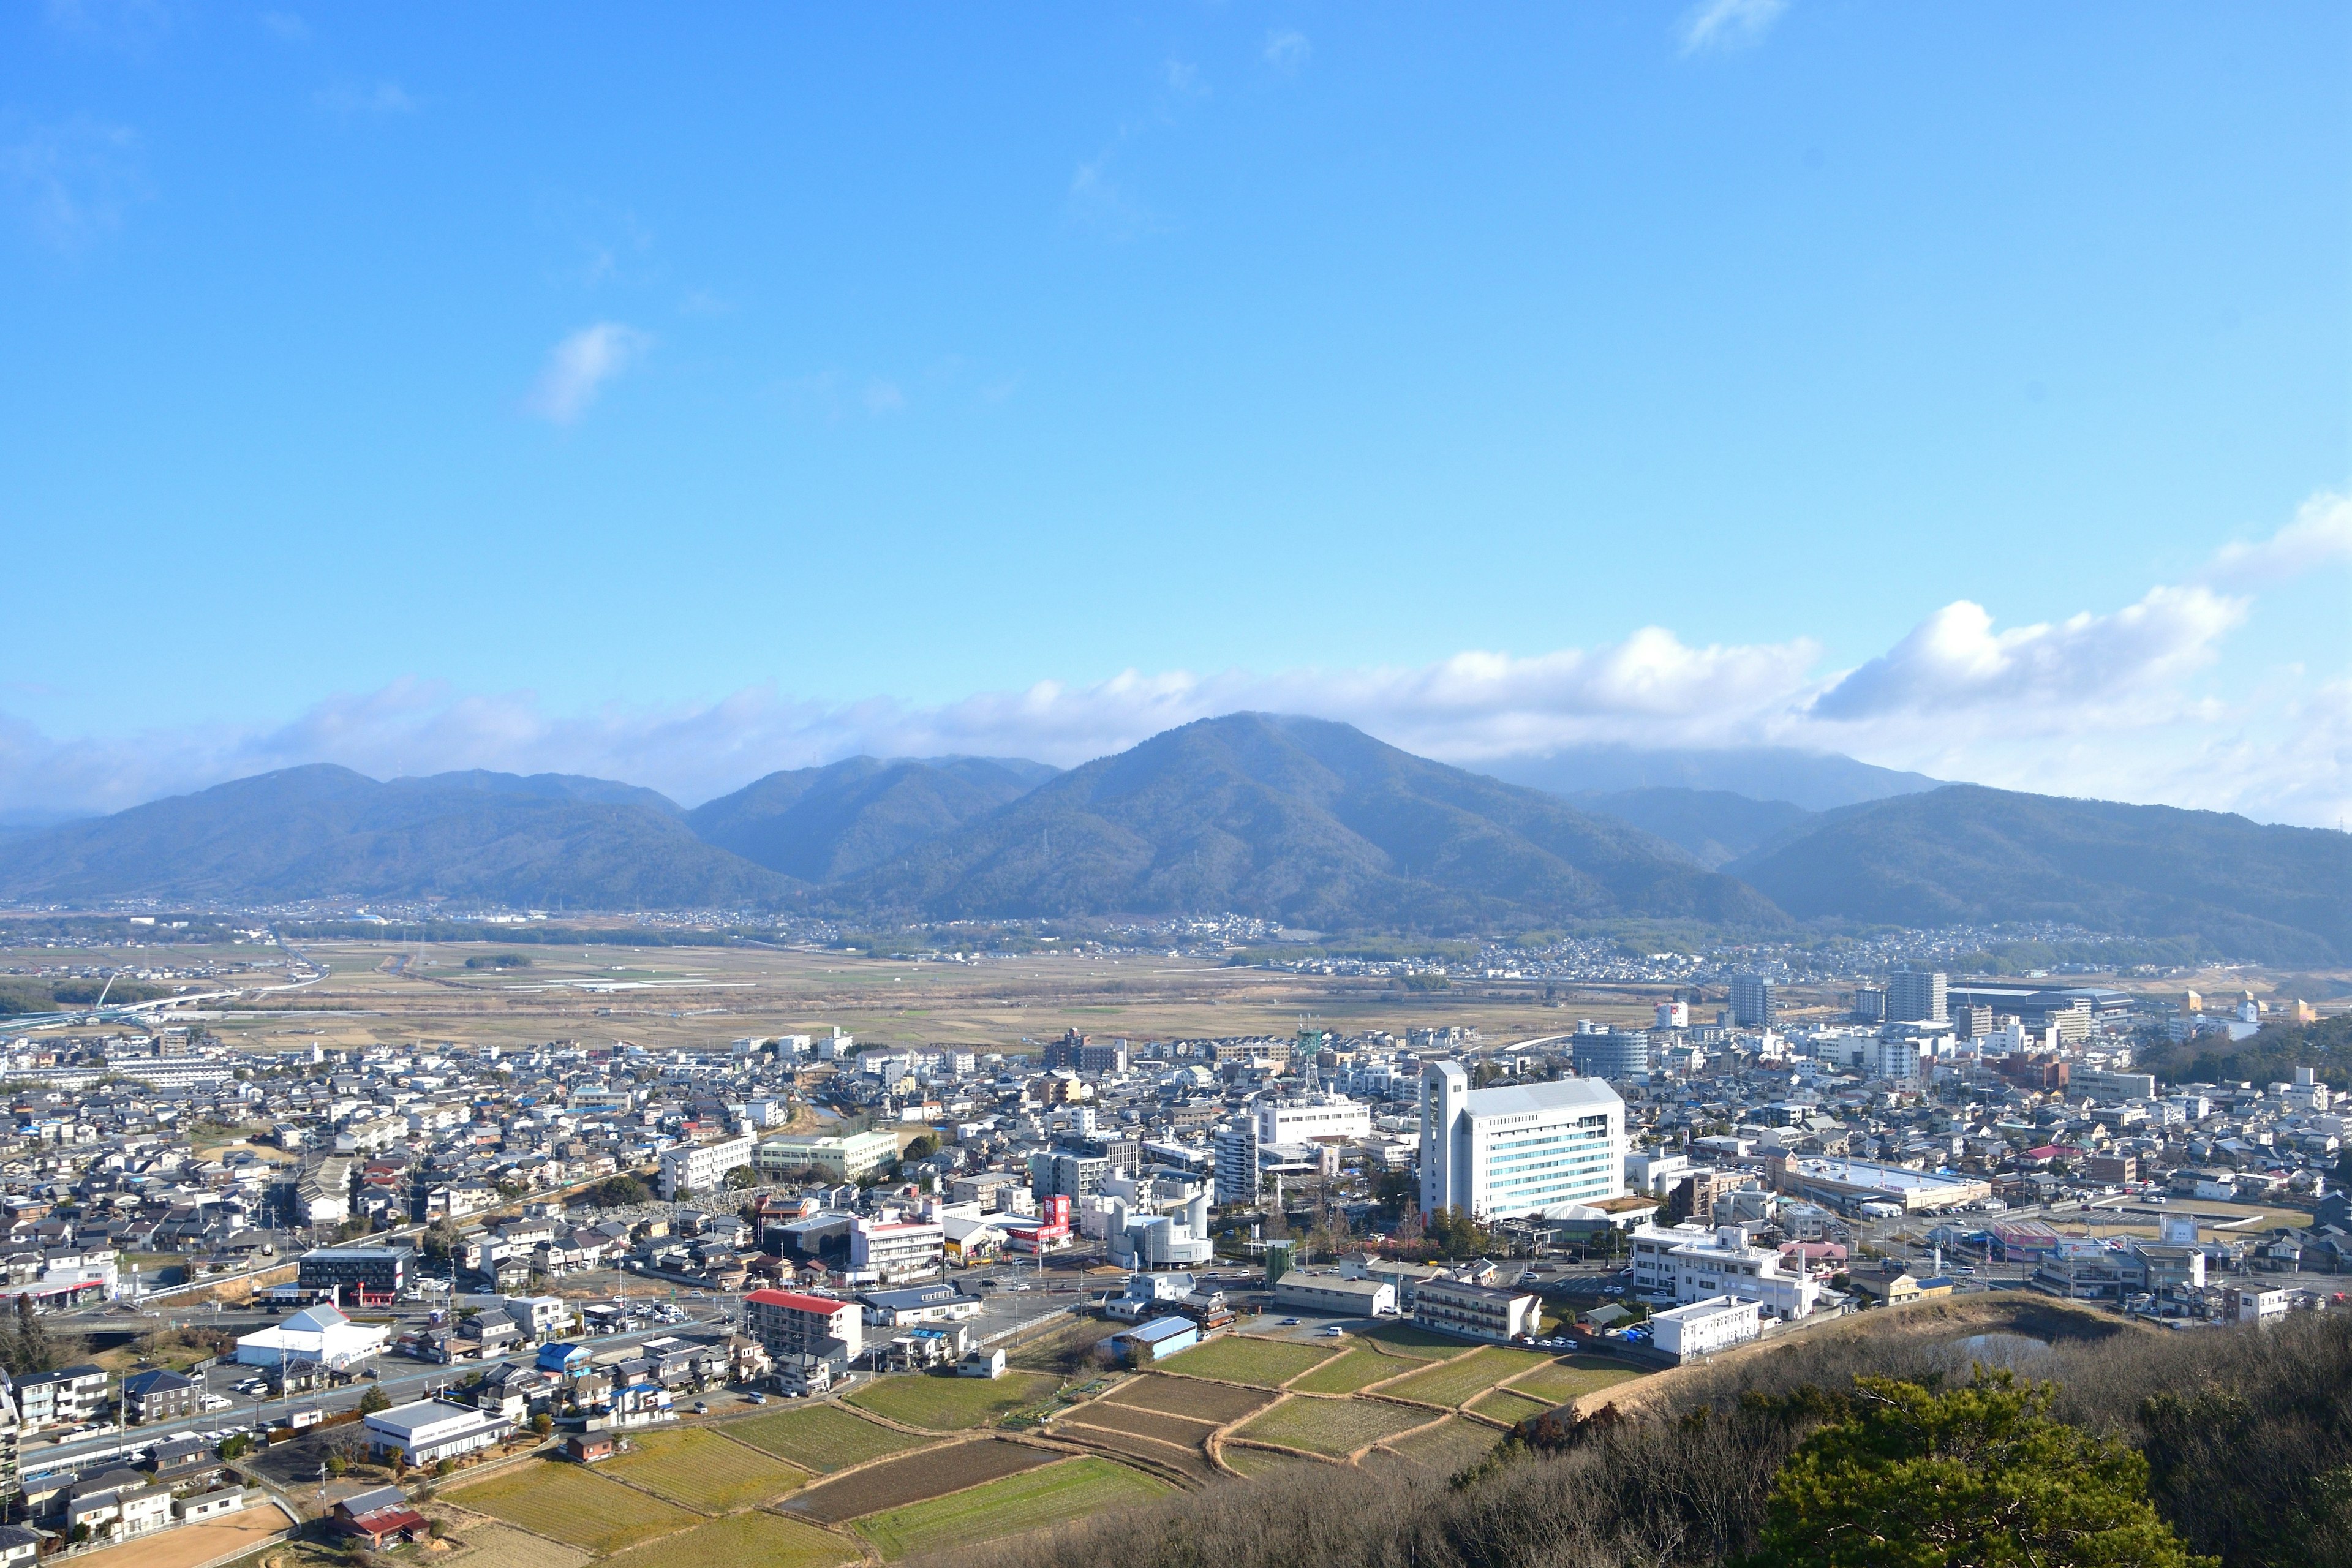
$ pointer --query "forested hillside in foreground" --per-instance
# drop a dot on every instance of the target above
(2238, 1440)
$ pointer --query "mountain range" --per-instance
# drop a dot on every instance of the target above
(1301, 820)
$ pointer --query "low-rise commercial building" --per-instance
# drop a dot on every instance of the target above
(430, 1430)
(1332, 1294)
(698, 1167)
(842, 1158)
(1702, 1328)
(1694, 1262)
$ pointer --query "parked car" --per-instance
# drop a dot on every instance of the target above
(1289, 1322)
(702, 1407)
(756, 1397)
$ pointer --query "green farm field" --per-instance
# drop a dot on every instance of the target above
(952, 1404)
(1353, 1369)
(820, 1437)
(754, 1537)
(564, 1502)
(1268, 1363)
(1013, 1506)
(1564, 1381)
(704, 1470)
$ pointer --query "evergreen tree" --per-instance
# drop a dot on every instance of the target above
(1975, 1477)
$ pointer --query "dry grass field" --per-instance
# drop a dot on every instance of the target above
(1564, 1381)
(485, 1542)
(665, 998)
(1452, 1446)
(820, 1437)
(555, 1499)
(952, 1404)
(1334, 1426)
(1510, 1408)
(1015, 1506)
(914, 1478)
(703, 1470)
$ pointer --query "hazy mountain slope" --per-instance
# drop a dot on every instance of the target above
(320, 832)
(1964, 853)
(1712, 827)
(1312, 823)
(553, 786)
(1813, 780)
(824, 824)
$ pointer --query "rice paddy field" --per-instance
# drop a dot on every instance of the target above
(952, 1404)
(1268, 1363)
(555, 1499)
(820, 1437)
(1452, 1383)
(1334, 1426)
(703, 1470)
(1214, 1402)
(1070, 1489)
(760, 1537)
(1353, 1369)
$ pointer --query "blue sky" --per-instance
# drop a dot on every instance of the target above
(682, 393)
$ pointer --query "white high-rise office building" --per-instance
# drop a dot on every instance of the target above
(1521, 1149)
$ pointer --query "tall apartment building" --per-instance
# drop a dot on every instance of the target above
(1520, 1150)
(1079, 1054)
(1755, 1001)
(1916, 997)
(698, 1167)
(787, 1323)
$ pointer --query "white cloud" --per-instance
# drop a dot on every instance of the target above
(1954, 659)
(2320, 536)
(1728, 24)
(1286, 50)
(71, 182)
(578, 367)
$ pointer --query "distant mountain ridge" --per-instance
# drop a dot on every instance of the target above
(1965, 854)
(1816, 780)
(1309, 822)
(821, 824)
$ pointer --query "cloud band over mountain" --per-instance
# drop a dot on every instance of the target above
(2103, 704)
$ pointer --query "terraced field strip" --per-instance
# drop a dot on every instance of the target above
(1564, 1381)
(1256, 1462)
(1232, 1358)
(1184, 1431)
(1452, 1446)
(1186, 1465)
(951, 1404)
(1073, 1489)
(1334, 1426)
(1411, 1342)
(915, 1477)
(562, 1500)
(1354, 1370)
(704, 1470)
(760, 1537)
(1214, 1402)
(493, 1543)
(1451, 1382)
(820, 1437)
(1508, 1407)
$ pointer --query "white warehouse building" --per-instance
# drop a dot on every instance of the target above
(1523, 1150)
